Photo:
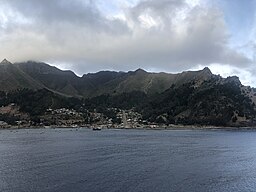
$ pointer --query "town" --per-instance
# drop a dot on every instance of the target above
(11, 117)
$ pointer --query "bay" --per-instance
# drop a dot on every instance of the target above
(127, 160)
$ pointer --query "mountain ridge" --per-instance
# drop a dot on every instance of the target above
(102, 82)
(188, 98)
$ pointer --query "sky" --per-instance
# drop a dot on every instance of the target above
(156, 35)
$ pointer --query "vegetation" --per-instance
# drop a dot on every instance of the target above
(36, 102)
(209, 104)
(189, 98)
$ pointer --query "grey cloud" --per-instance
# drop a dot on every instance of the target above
(203, 40)
(61, 14)
(51, 11)
(76, 32)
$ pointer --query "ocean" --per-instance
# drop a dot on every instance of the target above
(68, 160)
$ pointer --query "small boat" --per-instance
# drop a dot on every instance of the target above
(96, 129)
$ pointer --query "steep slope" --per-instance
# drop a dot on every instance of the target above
(191, 98)
(12, 78)
(94, 84)
(107, 82)
(217, 101)
(67, 82)
(149, 83)
(64, 82)
(33, 75)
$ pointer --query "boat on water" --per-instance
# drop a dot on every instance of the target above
(96, 129)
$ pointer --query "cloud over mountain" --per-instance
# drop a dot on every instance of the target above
(171, 35)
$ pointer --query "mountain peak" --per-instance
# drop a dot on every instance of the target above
(140, 71)
(207, 70)
(5, 62)
(205, 73)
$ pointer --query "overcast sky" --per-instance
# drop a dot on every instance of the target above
(156, 35)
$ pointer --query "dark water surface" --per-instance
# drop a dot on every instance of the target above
(127, 160)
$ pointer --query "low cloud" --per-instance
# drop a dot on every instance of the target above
(169, 35)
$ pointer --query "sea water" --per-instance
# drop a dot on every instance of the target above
(68, 160)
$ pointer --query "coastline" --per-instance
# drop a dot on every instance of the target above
(170, 128)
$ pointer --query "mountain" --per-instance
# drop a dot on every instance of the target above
(105, 82)
(13, 78)
(140, 80)
(52, 78)
(216, 101)
(190, 97)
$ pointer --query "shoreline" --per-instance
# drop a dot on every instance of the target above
(174, 128)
